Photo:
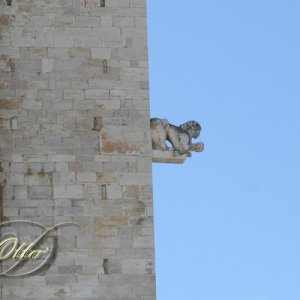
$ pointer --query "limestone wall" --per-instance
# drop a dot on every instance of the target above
(75, 144)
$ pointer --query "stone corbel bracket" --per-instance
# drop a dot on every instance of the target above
(168, 156)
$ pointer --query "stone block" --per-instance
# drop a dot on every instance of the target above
(134, 74)
(133, 53)
(73, 94)
(21, 192)
(87, 21)
(139, 96)
(85, 123)
(106, 20)
(84, 105)
(108, 104)
(117, 94)
(115, 291)
(114, 191)
(117, 3)
(27, 212)
(50, 95)
(141, 22)
(58, 52)
(68, 191)
(61, 158)
(69, 269)
(64, 21)
(146, 291)
(32, 104)
(86, 177)
(106, 32)
(35, 158)
(47, 65)
(123, 21)
(96, 94)
(63, 42)
(5, 123)
(137, 266)
(67, 178)
(137, 3)
(144, 164)
(143, 242)
(101, 53)
(83, 292)
(16, 179)
(10, 104)
(40, 192)
(80, 52)
(135, 178)
(16, 158)
(55, 279)
(47, 211)
(122, 140)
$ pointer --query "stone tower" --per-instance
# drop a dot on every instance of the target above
(76, 147)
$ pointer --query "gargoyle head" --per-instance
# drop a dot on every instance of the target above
(193, 128)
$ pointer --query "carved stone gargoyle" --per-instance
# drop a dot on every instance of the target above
(180, 137)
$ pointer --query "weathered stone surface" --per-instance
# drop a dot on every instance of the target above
(123, 139)
(47, 65)
(170, 156)
(10, 104)
(76, 145)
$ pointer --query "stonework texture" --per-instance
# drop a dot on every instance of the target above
(76, 146)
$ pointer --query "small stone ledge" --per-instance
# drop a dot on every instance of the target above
(168, 156)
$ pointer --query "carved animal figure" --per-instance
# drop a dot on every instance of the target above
(179, 136)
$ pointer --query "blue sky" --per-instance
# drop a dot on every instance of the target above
(227, 223)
